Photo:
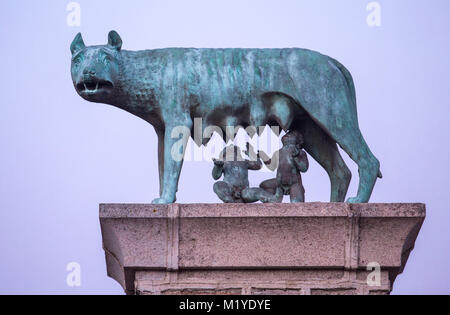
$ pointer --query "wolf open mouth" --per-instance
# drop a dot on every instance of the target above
(94, 86)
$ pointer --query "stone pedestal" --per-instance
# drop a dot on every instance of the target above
(308, 249)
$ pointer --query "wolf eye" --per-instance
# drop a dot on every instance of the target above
(76, 62)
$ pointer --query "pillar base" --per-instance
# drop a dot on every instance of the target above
(269, 249)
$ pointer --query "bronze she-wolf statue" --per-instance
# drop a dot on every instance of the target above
(295, 89)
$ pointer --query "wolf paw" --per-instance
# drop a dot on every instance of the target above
(355, 200)
(162, 201)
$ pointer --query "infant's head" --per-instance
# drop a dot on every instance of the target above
(231, 153)
(292, 138)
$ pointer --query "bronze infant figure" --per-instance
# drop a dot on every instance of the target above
(235, 186)
(292, 161)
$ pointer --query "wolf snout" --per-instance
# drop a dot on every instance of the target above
(88, 72)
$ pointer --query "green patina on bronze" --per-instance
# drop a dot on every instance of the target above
(296, 89)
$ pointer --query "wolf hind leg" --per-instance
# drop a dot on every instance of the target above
(368, 165)
(350, 139)
(325, 151)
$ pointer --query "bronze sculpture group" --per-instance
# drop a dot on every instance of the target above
(290, 162)
(298, 90)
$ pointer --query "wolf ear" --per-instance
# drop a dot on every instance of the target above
(77, 44)
(114, 40)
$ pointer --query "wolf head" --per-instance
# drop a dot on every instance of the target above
(95, 69)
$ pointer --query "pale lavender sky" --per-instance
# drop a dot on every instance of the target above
(61, 156)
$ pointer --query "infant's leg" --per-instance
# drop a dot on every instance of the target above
(297, 193)
(224, 191)
(250, 195)
(269, 185)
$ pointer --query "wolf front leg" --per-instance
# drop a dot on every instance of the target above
(175, 141)
(160, 134)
